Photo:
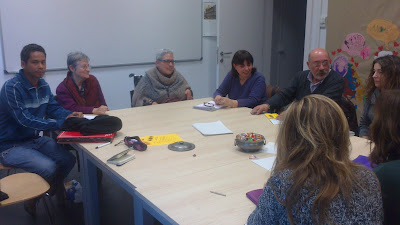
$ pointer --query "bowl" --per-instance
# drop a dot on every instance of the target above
(250, 142)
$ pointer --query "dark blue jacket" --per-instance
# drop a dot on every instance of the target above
(25, 109)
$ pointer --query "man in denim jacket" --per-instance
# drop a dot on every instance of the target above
(26, 103)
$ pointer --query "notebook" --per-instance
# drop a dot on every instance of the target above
(68, 137)
(254, 195)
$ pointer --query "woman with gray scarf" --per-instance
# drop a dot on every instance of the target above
(162, 84)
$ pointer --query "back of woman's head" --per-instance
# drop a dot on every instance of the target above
(314, 129)
(390, 67)
(313, 143)
(385, 128)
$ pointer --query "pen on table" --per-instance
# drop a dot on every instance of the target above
(217, 193)
(102, 145)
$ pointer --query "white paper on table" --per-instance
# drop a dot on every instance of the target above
(89, 117)
(266, 163)
(213, 128)
(275, 121)
(270, 147)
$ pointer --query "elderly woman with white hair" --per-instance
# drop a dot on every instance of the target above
(80, 91)
(162, 84)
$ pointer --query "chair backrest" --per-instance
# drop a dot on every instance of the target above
(136, 79)
(272, 90)
(350, 112)
(22, 186)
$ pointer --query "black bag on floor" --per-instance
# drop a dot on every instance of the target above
(103, 124)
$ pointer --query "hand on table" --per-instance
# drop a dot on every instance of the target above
(260, 109)
(227, 102)
(188, 94)
(101, 110)
(75, 114)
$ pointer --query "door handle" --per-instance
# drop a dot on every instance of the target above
(224, 53)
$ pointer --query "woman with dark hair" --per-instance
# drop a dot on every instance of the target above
(243, 85)
(313, 180)
(385, 133)
(384, 75)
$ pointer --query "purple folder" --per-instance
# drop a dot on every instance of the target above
(363, 160)
(254, 195)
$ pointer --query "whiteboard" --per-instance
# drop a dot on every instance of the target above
(111, 33)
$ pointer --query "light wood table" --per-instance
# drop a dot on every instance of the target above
(174, 186)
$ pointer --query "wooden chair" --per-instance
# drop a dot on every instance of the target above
(25, 186)
(350, 112)
(271, 91)
(2, 167)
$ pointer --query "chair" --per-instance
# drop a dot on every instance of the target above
(350, 112)
(271, 91)
(2, 167)
(25, 186)
(136, 79)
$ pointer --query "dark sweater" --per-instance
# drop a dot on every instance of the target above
(299, 86)
(388, 175)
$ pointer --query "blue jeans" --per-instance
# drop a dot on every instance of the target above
(42, 156)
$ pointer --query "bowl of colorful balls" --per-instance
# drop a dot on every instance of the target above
(250, 142)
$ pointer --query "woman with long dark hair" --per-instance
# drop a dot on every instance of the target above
(384, 75)
(385, 133)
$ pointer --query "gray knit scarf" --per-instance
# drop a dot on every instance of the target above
(156, 87)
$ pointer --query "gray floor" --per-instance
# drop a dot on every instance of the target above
(116, 207)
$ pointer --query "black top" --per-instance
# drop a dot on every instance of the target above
(388, 175)
(332, 87)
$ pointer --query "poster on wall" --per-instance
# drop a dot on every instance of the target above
(354, 42)
(209, 19)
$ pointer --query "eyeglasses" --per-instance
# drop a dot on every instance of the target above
(167, 61)
(85, 67)
(323, 63)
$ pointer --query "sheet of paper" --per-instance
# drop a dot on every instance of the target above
(266, 163)
(270, 147)
(89, 117)
(213, 128)
(272, 118)
(166, 139)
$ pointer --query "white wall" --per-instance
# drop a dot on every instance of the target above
(116, 84)
(201, 75)
(317, 11)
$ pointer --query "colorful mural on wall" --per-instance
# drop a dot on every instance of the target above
(354, 50)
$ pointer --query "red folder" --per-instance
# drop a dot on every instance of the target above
(254, 195)
(68, 137)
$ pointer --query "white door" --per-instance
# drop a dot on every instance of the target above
(239, 27)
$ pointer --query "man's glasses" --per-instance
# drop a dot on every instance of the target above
(324, 63)
(167, 61)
